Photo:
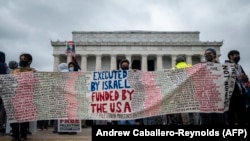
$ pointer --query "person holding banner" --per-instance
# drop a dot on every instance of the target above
(124, 65)
(72, 67)
(237, 107)
(62, 67)
(247, 85)
(183, 118)
(211, 118)
(20, 130)
(58, 123)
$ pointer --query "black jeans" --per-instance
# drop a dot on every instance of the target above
(43, 124)
(237, 108)
(19, 128)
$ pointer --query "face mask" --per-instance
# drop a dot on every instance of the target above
(236, 59)
(23, 63)
(71, 69)
(125, 68)
(209, 58)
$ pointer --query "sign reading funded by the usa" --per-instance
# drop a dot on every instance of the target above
(115, 95)
(110, 93)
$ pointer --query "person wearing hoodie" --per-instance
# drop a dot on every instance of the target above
(3, 66)
(181, 63)
(124, 65)
(3, 70)
(62, 67)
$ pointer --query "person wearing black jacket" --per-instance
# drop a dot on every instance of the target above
(3, 66)
(3, 70)
(236, 114)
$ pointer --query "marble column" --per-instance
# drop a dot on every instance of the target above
(189, 59)
(56, 63)
(144, 62)
(173, 60)
(218, 58)
(159, 62)
(113, 65)
(98, 64)
(202, 57)
(69, 58)
(84, 63)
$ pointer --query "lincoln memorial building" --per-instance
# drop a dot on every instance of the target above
(146, 50)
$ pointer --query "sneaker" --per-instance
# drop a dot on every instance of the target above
(28, 132)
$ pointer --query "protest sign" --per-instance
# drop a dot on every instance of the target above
(114, 95)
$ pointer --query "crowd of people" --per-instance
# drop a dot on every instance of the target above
(19, 131)
(238, 113)
(239, 107)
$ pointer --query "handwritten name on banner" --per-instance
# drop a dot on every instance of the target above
(205, 87)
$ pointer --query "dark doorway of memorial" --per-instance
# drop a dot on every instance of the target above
(151, 65)
(136, 64)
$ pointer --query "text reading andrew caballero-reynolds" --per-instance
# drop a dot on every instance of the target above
(110, 92)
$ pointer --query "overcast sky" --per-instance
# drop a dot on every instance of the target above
(30, 25)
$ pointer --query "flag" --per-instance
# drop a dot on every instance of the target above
(70, 48)
(73, 49)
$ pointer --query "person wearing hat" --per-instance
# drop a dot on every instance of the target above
(63, 67)
(237, 108)
(210, 55)
(181, 62)
(183, 118)
(13, 65)
(211, 118)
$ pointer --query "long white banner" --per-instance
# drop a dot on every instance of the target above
(111, 95)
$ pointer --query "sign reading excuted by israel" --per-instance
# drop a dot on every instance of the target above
(111, 95)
